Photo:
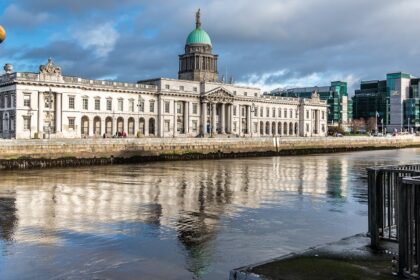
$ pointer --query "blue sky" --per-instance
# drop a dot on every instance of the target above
(268, 43)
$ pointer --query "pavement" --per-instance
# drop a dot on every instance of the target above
(350, 258)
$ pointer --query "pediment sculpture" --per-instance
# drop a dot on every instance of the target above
(50, 68)
(219, 95)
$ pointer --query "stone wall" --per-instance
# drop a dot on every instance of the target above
(74, 152)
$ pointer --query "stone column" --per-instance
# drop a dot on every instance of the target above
(58, 110)
(146, 127)
(231, 118)
(186, 117)
(228, 118)
(91, 124)
(175, 119)
(248, 119)
(114, 125)
(203, 118)
(40, 114)
(222, 119)
(213, 119)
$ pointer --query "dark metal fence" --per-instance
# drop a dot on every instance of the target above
(383, 184)
(409, 227)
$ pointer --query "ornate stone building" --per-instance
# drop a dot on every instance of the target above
(48, 104)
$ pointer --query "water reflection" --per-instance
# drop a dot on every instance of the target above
(215, 212)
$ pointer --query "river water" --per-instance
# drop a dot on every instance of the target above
(179, 220)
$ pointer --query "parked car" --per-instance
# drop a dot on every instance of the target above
(338, 135)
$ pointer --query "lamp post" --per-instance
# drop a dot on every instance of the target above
(408, 125)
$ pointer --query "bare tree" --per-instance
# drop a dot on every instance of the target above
(371, 124)
(358, 124)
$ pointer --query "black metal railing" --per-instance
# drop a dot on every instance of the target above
(409, 227)
(383, 184)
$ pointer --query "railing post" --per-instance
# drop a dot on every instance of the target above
(373, 207)
(402, 227)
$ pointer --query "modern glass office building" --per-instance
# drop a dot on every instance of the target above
(396, 99)
(340, 108)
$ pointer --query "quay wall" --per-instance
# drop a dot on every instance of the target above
(15, 154)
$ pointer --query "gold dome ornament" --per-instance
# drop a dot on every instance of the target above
(2, 34)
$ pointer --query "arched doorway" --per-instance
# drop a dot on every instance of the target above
(296, 129)
(291, 129)
(261, 128)
(267, 128)
(285, 128)
(142, 123)
(131, 126)
(97, 126)
(120, 125)
(279, 128)
(151, 126)
(84, 126)
(273, 128)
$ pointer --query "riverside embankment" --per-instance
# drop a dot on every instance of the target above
(16, 154)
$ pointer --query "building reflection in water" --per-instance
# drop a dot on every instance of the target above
(187, 197)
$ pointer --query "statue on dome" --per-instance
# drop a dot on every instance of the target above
(198, 19)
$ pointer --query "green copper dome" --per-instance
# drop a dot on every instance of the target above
(198, 36)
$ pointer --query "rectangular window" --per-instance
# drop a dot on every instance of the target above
(194, 126)
(26, 122)
(274, 112)
(285, 113)
(255, 112)
(85, 104)
(178, 107)
(71, 102)
(97, 104)
(307, 114)
(279, 113)
(195, 108)
(195, 89)
(71, 123)
(296, 114)
(167, 107)
(167, 125)
(255, 94)
(167, 86)
(181, 88)
(243, 111)
(307, 127)
(245, 93)
(131, 105)
(267, 112)
(323, 114)
(141, 106)
(261, 112)
(152, 106)
(109, 104)
(120, 105)
(235, 124)
(234, 110)
(27, 100)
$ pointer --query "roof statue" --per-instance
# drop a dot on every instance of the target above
(198, 19)
(315, 94)
(50, 68)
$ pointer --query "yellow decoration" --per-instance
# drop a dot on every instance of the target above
(2, 34)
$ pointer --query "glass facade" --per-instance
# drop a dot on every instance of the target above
(336, 95)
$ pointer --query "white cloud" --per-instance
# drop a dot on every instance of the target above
(15, 16)
(101, 38)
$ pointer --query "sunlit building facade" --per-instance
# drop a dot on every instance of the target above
(48, 104)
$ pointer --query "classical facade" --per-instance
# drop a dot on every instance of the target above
(48, 104)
